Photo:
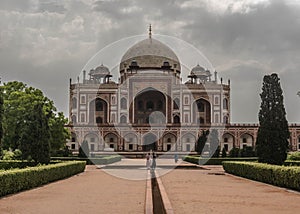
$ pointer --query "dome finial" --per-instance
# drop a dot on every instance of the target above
(150, 31)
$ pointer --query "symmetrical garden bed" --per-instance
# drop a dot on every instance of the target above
(213, 161)
(12, 164)
(283, 176)
(292, 163)
(92, 160)
(15, 180)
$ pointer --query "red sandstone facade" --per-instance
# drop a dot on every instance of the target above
(151, 109)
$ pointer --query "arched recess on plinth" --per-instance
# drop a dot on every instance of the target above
(149, 142)
(228, 141)
(169, 142)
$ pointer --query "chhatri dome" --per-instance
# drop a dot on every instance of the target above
(150, 54)
(100, 74)
(100, 70)
(198, 72)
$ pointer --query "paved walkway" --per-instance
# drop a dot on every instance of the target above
(93, 191)
(189, 190)
(203, 191)
(134, 169)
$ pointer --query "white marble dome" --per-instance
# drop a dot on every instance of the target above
(150, 53)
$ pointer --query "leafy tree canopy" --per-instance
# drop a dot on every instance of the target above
(20, 102)
(35, 136)
(1, 119)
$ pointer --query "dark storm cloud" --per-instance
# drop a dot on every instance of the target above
(266, 30)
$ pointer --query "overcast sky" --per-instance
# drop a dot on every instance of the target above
(45, 42)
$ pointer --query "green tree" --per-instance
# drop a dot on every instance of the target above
(84, 150)
(19, 101)
(1, 119)
(214, 143)
(59, 134)
(273, 133)
(35, 136)
(202, 141)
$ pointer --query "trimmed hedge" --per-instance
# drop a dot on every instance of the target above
(11, 164)
(92, 161)
(292, 163)
(213, 161)
(294, 156)
(15, 180)
(283, 176)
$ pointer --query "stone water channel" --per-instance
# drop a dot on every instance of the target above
(156, 199)
(157, 202)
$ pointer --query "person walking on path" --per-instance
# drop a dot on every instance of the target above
(148, 160)
(154, 161)
(176, 158)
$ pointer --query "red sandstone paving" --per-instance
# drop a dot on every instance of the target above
(93, 191)
(197, 191)
(190, 191)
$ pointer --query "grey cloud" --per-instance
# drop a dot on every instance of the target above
(246, 83)
(268, 34)
(50, 6)
(16, 5)
(116, 9)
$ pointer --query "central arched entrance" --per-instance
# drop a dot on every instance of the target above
(146, 106)
(149, 142)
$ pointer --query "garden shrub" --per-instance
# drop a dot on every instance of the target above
(247, 151)
(11, 164)
(292, 163)
(7, 155)
(214, 161)
(294, 156)
(224, 153)
(65, 152)
(234, 152)
(15, 180)
(283, 176)
(93, 161)
(11, 155)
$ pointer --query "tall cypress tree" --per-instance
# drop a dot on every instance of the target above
(1, 116)
(35, 137)
(273, 132)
